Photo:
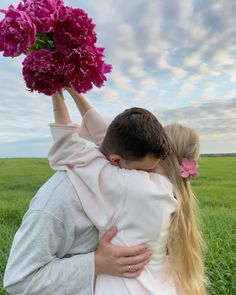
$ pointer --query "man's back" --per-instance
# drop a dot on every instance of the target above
(44, 254)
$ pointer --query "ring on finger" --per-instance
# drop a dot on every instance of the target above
(129, 269)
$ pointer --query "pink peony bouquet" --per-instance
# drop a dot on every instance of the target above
(59, 43)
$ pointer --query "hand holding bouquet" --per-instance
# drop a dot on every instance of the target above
(59, 43)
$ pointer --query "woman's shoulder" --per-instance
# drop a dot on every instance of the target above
(162, 179)
(163, 184)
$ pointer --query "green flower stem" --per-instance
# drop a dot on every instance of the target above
(43, 41)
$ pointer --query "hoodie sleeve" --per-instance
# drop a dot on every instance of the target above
(93, 127)
(100, 185)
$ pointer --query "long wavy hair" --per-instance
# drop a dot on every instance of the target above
(185, 243)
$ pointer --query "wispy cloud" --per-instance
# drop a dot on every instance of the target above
(212, 120)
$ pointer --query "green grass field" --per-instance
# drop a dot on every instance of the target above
(215, 188)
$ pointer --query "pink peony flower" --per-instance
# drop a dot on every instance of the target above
(17, 32)
(60, 46)
(42, 12)
(73, 28)
(86, 68)
(49, 71)
(188, 168)
(43, 71)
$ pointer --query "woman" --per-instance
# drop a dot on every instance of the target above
(182, 272)
(185, 243)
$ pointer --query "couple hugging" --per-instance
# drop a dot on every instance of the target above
(118, 217)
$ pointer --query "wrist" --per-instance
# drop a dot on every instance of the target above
(97, 260)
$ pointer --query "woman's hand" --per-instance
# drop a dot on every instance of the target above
(70, 90)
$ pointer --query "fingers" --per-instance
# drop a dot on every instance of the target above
(109, 235)
(132, 251)
(122, 251)
(135, 267)
(69, 90)
(115, 260)
(136, 263)
(135, 270)
(57, 93)
(133, 260)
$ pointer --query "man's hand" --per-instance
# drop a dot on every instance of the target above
(120, 261)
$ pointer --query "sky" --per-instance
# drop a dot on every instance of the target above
(175, 58)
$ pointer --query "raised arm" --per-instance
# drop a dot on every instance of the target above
(81, 102)
(93, 127)
(61, 114)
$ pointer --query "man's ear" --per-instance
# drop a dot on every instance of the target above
(115, 159)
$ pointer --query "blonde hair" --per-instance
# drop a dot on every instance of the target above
(185, 244)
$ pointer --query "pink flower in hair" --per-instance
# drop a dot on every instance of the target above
(188, 168)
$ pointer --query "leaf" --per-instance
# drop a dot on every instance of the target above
(43, 41)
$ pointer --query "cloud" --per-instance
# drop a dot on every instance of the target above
(209, 91)
(192, 59)
(177, 54)
(204, 69)
(213, 119)
(232, 74)
(222, 58)
(185, 89)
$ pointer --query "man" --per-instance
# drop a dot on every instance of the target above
(56, 249)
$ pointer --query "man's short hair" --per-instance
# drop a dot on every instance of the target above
(135, 133)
